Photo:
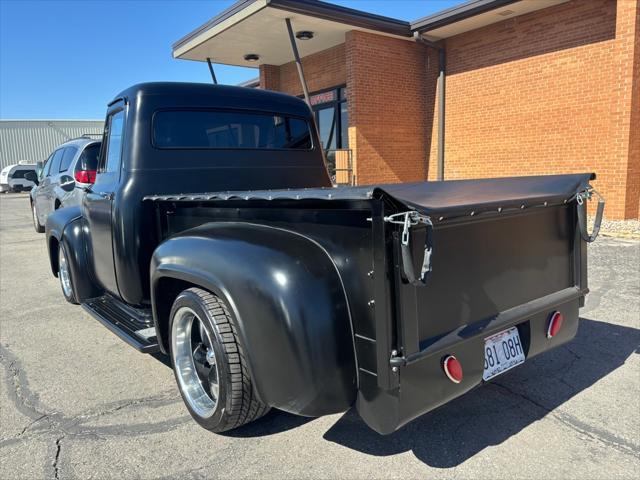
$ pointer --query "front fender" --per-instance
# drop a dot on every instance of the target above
(67, 226)
(289, 306)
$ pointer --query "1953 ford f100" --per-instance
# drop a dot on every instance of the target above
(278, 290)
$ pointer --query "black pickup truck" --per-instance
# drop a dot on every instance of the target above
(275, 289)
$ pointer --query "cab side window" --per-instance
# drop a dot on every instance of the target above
(113, 143)
(69, 153)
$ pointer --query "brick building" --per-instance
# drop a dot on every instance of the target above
(528, 86)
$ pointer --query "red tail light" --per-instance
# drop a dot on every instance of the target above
(555, 323)
(85, 176)
(452, 368)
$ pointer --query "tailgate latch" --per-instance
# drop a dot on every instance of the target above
(581, 199)
(410, 219)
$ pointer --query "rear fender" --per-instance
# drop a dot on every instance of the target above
(67, 225)
(288, 302)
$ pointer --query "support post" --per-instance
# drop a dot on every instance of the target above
(296, 56)
(213, 74)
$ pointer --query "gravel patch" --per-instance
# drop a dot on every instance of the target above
(621, 228)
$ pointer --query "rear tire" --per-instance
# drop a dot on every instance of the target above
(34, 215)
(209, 365)
(64, 275)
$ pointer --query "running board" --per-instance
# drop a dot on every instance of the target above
(134, 326)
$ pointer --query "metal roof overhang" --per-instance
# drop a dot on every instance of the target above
(258, 27)
(475, 14)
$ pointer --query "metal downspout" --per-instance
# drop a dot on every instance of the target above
(442, 75)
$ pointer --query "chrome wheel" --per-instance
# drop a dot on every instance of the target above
(195, 362)
(63, 273)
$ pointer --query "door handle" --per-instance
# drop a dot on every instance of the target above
(106, 195)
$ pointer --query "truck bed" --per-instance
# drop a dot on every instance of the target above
(504, 253)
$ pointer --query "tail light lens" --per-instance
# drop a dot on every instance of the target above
(452, 368)
(555, 323)
(85, 176)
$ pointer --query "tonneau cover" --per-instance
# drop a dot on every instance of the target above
(453, 197)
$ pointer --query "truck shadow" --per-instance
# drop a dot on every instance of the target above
(276, 421)
(490, 415)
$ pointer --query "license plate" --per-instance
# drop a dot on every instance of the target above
(502, 352)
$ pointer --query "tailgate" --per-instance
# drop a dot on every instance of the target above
(483, 268)
(495, 265)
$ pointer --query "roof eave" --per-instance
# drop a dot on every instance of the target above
(349, 16)
(232, 10)
(318, 9)
(457, 13)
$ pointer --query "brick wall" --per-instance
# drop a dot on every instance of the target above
(387, 99)
(553, 91)
(547, 92)
(270, 77)
(633, 170)
(322, 70)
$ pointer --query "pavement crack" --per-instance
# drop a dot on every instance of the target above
(18, 391)
(56, 470)
(598, 434)
(576, 356)
(521, 395)
(30, 424)
(26, 401)
(162, 399)
(603, 436)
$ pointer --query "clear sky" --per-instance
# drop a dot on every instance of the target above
(67, 59)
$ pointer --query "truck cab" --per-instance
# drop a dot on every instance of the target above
(184, 138)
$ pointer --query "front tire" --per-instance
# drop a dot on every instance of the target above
(64, 275)
(209, 365)
(36, 223)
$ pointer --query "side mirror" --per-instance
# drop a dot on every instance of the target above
(32, 177)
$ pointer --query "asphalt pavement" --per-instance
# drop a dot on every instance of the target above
(76, 402)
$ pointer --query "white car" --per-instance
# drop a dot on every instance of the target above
(12, 177)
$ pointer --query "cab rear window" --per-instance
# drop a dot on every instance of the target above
(215, 129)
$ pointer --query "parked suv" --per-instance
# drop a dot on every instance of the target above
(63, 178)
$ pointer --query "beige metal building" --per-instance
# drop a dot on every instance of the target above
(34, 140)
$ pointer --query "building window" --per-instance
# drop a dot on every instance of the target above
(332, 117)
(330, 109)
